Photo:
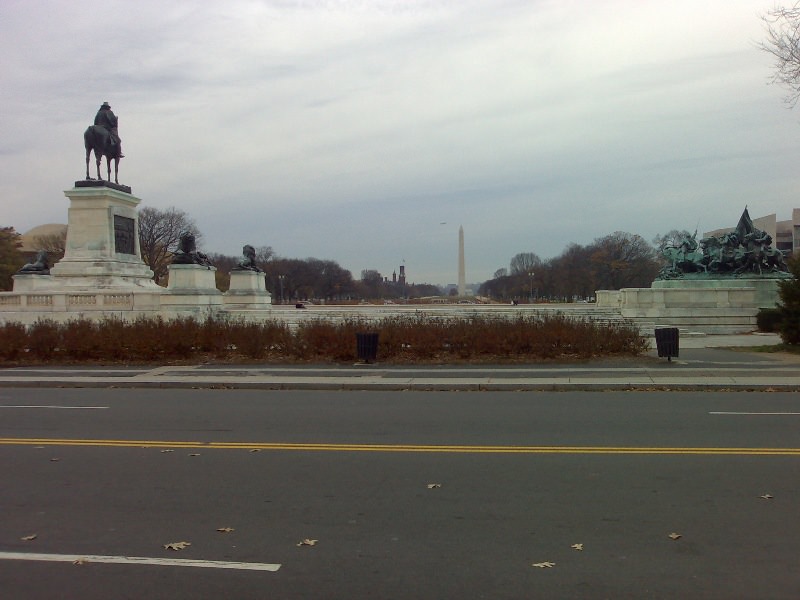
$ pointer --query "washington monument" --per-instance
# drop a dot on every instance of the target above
(462, 274)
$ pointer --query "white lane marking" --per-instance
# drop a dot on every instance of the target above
(53, 407)
(140, 560)
(754, 413)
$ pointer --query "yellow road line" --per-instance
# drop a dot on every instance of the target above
(399, 447)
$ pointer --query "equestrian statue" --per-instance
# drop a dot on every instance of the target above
(104, 140)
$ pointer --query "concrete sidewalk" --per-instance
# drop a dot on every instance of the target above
(705, 363)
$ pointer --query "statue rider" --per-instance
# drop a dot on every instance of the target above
(108, 121)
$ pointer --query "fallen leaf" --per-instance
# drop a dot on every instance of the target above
(165, 451)
(55, 459)
(674, 536)
(577, 546)
(194, 455)
(434, 485)
(256, 450)
(28, 538)
(307, 542)
(177, 545)
(225, 529)
(544, 565)
(81, 561)
(766, 496)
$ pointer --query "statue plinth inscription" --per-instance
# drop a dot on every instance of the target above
(124, 231)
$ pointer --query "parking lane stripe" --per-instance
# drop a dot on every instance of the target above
(140, 560)
(753, 413)
(53, 407)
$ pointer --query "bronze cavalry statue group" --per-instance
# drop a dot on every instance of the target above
(746, 250)
(102, 138)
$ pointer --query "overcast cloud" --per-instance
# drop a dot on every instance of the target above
(366, 132)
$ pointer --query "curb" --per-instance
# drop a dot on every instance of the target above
(400, 386)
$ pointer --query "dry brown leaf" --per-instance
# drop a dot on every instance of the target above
(225, 529)
(28, 538)
(766, 496)
(177, 545)
(434, 485)
(307, 542)
(674, 536)
(256, 450)
(544, 565)
(577, 546)
(81, 561)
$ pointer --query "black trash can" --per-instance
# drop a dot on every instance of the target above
(367, 346)
(667, 342)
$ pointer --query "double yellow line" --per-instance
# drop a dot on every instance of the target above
(257, 446)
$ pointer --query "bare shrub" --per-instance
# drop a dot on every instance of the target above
(82, 340)
(13, 340)
(257, 339)
(411, 338)
(44, 339)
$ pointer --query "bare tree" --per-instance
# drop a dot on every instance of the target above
(671, 239)
(371, 284)
(622, 259)
(783, 43)
(263, 255)
(159, 234)
(524, 262)
(55, 244)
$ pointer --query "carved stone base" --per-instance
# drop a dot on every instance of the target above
(720, 306)
(191, 287)
(25, 282)
(248, 290)
(102, 248)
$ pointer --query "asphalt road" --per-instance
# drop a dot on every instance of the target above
(410, 495)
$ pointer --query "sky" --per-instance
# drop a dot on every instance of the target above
(367, 132)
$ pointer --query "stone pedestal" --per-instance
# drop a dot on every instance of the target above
(101, 274)
(724, 305)
(192, 288)
(102, 249)
(248, 290)
(27, 282)
(764, 289)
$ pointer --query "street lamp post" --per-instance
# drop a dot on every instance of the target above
(531, 274)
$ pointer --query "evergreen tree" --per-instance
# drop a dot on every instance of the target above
(789, 305)
(11, 259)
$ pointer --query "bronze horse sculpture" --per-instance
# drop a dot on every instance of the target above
(99, 140)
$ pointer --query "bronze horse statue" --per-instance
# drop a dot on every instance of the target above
(99, 140)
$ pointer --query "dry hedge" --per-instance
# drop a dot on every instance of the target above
(401, 340)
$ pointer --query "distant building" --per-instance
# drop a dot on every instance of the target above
(785, 234)
(28, 239)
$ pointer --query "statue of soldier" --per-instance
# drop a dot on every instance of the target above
(108, 121)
